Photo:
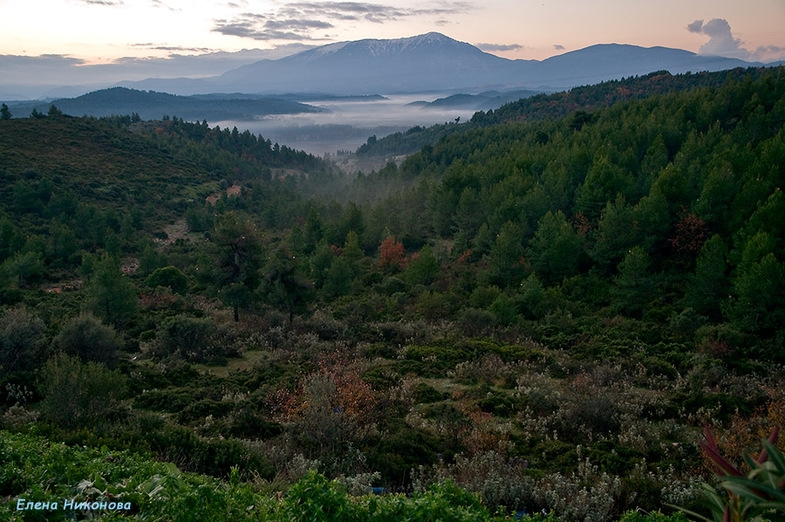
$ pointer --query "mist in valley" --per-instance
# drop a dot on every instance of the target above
(345, 125)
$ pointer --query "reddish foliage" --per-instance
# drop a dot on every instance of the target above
(465, 256)
(352, 396)
(391, 254)
(690, 234)
(581, 224)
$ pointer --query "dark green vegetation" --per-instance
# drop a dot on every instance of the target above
(544, 313)
(532, 106)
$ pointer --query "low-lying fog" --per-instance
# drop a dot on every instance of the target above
(349, 123)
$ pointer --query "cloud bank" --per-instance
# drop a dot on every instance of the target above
(722, 42)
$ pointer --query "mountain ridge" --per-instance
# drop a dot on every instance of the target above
(433, 62)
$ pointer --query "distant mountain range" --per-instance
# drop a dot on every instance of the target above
(431, 63)
(434, 62)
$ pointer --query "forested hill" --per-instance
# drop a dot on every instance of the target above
(154, 168)
(150, 105)
(556, 105)
(605, 94)
(649, 207)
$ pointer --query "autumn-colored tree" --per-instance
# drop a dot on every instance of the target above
(689, 235)
(391, 255)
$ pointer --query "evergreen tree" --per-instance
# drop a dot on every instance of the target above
(111, 295)
(238, 246)
(423, 268)
(634, 284)
(505, 259)
(707, 287)
(282, 284)
(555, 251)
(339, 278)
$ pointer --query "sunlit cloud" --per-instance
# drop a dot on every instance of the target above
(721, 40)
(768, 53)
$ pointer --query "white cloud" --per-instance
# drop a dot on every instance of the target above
(721, 40)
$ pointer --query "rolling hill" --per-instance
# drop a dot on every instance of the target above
(151, 105)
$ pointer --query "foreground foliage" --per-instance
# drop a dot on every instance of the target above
(36, 470)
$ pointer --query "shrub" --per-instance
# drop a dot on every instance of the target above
(168, 276)
(77, 394)
(316, 498)
(426, 394)
(194, 339)
(89, 339)
(476, 323)
(497, 480)
(22, 340)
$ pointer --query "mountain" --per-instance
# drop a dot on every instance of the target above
(153, 105)
(429, 62)
(435, 62)
(602, 62)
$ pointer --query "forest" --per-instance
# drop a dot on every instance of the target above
(571, 315)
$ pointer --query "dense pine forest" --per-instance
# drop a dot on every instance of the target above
(570, 308)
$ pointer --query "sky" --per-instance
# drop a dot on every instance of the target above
(104, 31)
(64, 48)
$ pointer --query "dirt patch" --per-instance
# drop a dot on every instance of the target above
(173, 231)
(234, 190)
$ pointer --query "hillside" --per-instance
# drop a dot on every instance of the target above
(118, 163)
(533, 106)
(547, 313)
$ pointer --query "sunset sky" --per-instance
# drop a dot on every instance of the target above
(101, 31)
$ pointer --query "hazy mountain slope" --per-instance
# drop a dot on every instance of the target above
(434, 62)
(421, 63)
(153, 105)
(612, 61)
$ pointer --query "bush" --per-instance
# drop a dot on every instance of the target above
(316, 498)
(89, 339)
(80, 394)
(22, 340)
(194, 339)
(168, 276)
(426, 394)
